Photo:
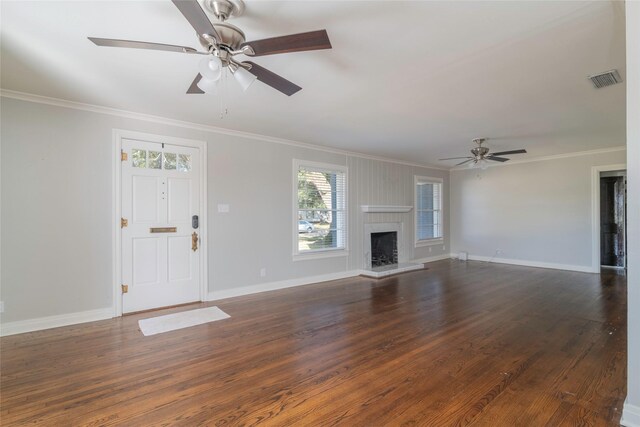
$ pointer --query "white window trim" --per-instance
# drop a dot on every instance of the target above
(417, 179)
(318, 253)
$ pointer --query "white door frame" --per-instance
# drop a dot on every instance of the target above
(118, 135)
(595, 211)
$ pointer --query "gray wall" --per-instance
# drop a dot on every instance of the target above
(538, 211)
(380, 183)
(57, 208)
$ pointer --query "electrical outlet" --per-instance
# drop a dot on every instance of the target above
(444, 247)
(1, 306)
(263, 272)
(429, 249)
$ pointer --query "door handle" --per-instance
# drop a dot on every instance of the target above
(194, 241)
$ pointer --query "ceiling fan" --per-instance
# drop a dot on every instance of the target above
(223, 41)
(481, 155)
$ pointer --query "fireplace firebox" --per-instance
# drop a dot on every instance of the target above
(384, 248)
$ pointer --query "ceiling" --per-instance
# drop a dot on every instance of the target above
(413, 81)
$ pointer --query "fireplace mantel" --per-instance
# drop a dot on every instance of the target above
(385, 208)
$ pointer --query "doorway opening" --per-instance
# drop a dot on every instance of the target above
(613, 219)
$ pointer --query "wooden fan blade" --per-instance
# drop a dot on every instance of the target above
(500, 153)
(312, 40)
(142, 45)
(497, 159)
(272, 79)
(194, 86)
(466, 161)
(196, 17)
(456, 158)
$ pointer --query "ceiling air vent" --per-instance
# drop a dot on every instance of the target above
(607, 78)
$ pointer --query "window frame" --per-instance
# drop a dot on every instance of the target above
(324, 252)
(434, 240)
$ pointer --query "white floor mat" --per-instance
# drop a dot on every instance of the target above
(184, 319)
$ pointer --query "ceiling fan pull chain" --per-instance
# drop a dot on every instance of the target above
(222, 94)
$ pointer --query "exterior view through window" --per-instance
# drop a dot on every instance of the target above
(428, 209)
(321, 208)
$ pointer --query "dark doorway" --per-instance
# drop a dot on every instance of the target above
(613, 206)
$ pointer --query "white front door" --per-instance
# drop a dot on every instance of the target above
(160, 242)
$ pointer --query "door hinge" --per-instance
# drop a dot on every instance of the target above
(125, 289)
(123, 156)
(124, 222)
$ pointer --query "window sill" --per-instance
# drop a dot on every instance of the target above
(331, 253)
(430, 242)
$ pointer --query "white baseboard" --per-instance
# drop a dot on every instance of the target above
(29, 325)
(283, 284)
(630, 415)
(525, 263)
(272, 286)
(433, 258)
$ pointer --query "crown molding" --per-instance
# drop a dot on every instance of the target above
(552, 157)
(39, 99)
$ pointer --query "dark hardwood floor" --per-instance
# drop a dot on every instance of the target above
(458, 344)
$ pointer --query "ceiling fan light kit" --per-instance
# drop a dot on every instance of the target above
(223, 41)
(482, 164)
(243, 77)
(210, 68)
(208, 85)
(481, 155)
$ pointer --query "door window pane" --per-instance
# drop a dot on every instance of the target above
(170, 161)
(184, 162)
(139, 158)
(155, 160)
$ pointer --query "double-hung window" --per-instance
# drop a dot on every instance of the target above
(320, 203)
(428, 210)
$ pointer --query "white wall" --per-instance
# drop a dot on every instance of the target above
(533, 212)
(631, 413)
(57, 211)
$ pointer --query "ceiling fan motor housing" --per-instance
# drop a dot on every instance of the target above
(479, 151)
(231, 37)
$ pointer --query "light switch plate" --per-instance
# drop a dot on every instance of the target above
(223, 208)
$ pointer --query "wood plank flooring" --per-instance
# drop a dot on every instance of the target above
(458, 344)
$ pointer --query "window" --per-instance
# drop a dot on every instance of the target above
(428, 210)
(320, 219)
(158, 160)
